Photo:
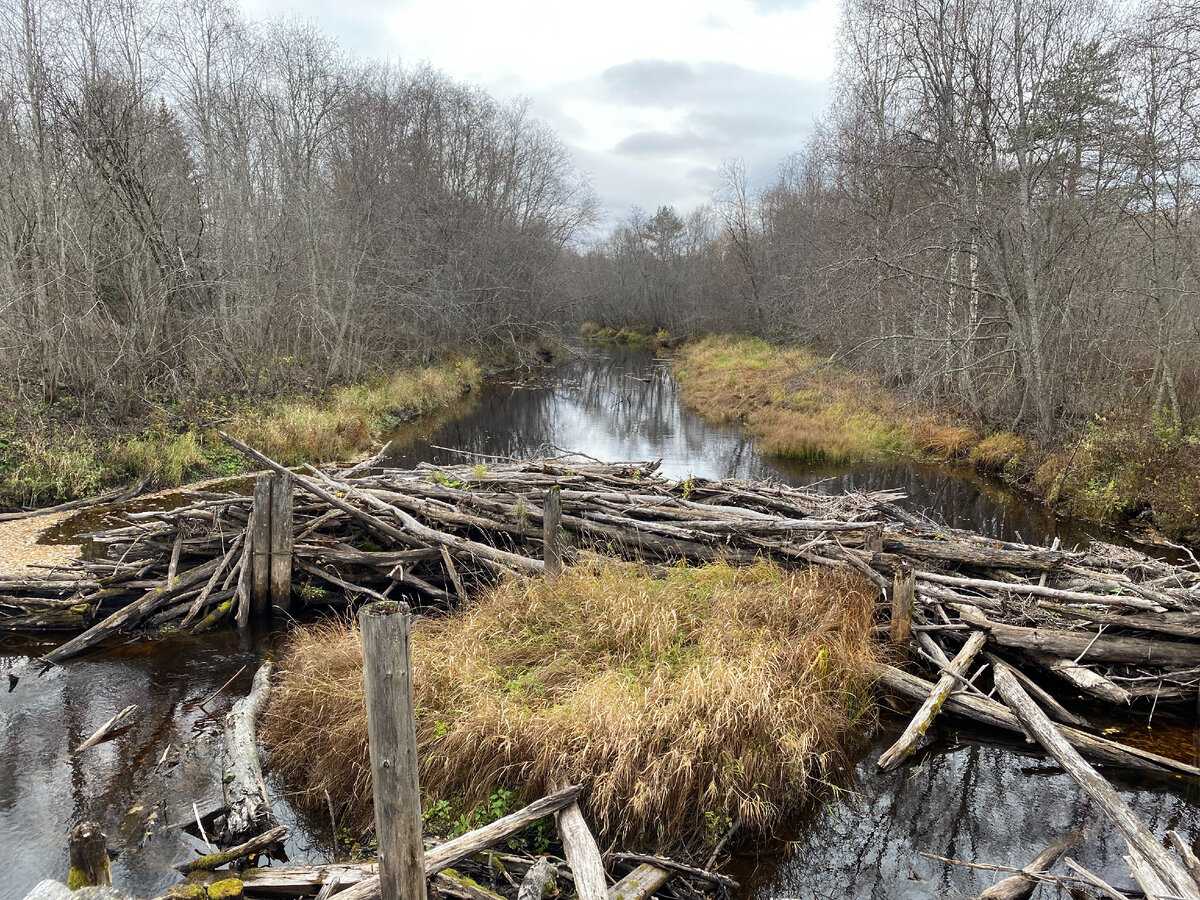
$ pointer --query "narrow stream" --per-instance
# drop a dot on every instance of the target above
(965, 799)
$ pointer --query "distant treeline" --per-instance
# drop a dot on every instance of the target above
(189, 200)
(999, 212)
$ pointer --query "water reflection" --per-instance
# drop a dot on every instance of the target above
(971, 801)
(624, 404)
(148, 775)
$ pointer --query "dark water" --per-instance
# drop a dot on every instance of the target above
(965, 799)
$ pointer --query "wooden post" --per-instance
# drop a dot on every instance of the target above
(392, 738)
(87, 864)
(873, 539)
(260, 546)
(281, 542)
(551, 520)
(904, 594)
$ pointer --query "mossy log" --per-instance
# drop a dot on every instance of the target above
(247, 849)
(87, 854)
(248, 808)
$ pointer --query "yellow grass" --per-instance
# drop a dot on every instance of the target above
(798, 405)
(686, 701)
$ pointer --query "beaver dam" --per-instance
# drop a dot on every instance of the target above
(699, 669)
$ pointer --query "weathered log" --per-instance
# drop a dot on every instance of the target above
(245, 850)
(1054, 709)
(538, 882)
(447, 854)
(664, 862)
(1141, 840)
(87, 857)
(997, 715)
(903, 598)
(1096, 648)
(105, 730)
(248, 808)
(130, 615)
(639, 884)
(583, 856)
(919, 724)
(551, 523)
(1087, 680)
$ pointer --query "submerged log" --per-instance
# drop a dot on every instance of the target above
(105, 731)
(246, 801)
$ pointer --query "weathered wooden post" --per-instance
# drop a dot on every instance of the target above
(904, 595)
(281, 542)
(873, 539)
(551, 522)
(260, 546)
(87, 857)
(392, 737)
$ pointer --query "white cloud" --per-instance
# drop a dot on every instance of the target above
(650, 94)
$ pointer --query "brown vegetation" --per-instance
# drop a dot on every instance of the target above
(687, 700)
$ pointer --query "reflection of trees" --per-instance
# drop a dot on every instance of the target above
(982, 803)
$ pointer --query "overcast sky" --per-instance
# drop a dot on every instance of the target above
(651, 95)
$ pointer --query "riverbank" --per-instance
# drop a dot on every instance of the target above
(43, 461)
(688, 699)
(800, 406)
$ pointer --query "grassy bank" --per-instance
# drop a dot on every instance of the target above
(686, 701)
(1119, 470)
(638, 338)
(47, 463)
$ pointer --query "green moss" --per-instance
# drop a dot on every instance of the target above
(226, 889)
(186, 891)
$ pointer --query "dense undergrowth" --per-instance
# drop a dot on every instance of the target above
(1120, 469)
(685, 700)
(44, 462)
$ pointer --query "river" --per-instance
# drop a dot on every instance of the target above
(967, 798)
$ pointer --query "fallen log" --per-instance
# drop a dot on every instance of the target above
(639, 884)
(997, 715)
(1074, 645)
(447, 854)
(583, 856)
(1141, 840)
(538, 881)
(920, 722)
(1087, 680)
(248, 808)
(247, 849)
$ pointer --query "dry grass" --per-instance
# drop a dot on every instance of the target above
(711, 694)
(1000, 452)
(799, 406)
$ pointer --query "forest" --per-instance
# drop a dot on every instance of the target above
(997, 214)
(190, 198)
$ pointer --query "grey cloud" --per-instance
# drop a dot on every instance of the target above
(664, 143)
(657, 82)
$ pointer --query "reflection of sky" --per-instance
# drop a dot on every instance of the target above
(978, 803)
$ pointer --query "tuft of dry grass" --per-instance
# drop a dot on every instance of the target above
(711, 694)
(1000, 452)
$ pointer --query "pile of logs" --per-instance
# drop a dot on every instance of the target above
(1111, 622)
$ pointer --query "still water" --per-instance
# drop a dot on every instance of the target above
(965, 799)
